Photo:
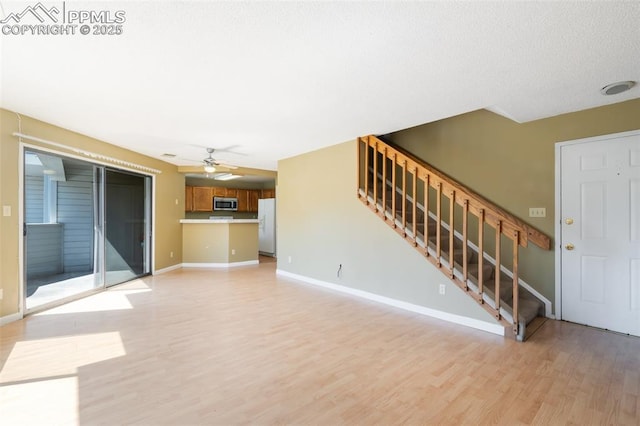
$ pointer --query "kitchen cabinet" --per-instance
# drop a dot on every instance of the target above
(188, 198)
(268, 193)
(248, 200)
(252, 201)
(202, 199)
(219, 191)
(243, 200)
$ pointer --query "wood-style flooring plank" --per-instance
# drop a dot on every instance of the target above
(242, 346)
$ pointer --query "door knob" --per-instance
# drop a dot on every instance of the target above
(569, 246)
(568, 221)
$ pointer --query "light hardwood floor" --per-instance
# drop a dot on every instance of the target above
(244, 347)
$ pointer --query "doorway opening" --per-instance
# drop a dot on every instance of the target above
(86, 226)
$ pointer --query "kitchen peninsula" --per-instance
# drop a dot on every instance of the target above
(215, 243)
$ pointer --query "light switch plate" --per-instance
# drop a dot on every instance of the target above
(537, 212)
(6, 210)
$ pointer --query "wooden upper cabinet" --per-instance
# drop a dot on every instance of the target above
(202, 199)
(268, 193)
(188, 198)
(253, 196)
(243, 200)
(219, 191)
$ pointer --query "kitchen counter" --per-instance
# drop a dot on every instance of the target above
(219, 243)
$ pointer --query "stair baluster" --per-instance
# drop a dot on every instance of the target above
(425, 233)
(394, 194)
(516, 298)
(375, 174)
(465, 244)
(481, 256)
(452, 208)
(366, 174)
(414, 205)
(497, 269)
(439, 224)
(384, 183)
(461, 270)
(404, 198)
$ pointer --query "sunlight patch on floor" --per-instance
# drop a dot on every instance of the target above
(31, 360)
(110, 300)
(37, 402)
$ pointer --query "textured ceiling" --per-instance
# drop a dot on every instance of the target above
(279, 79)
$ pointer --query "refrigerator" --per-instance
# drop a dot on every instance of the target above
(267, 226)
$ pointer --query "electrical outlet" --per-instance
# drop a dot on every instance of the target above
(6, 210)
(1, 293)
(537, 212)
(443, 289)
(290, 259)
(233, 252)
(171, 255)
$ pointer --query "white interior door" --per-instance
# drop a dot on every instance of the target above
(600, 232)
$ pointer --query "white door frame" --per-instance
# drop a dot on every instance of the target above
(558, 209)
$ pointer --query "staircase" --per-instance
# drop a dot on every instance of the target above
(471, 240)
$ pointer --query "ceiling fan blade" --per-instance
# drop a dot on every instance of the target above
(191, 160)
(230, 150)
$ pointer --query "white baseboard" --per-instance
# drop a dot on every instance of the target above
(220, 265)
(456, 319)
(10, 318)
(445, 225)
(167, 269)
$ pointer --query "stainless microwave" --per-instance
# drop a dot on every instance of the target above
(225, 203)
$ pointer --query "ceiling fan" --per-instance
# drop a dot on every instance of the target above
(210, 163)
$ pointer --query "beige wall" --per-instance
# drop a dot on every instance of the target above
(322, 225)
(513, 164)
(216, 242)
(243, 238)
(205, 243)
(169, 189)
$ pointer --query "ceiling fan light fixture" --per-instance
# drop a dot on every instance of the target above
(615, 88)
(227, 176)
(209, 168)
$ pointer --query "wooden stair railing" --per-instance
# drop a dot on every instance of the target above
(392, 182)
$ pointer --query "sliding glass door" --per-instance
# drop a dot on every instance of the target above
(85, 227)
(126, 226)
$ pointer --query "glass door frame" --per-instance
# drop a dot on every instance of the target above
(98, 188)
(146, 227)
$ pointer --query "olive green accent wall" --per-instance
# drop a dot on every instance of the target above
(168, 197)
(322, 225)
(513, 164)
